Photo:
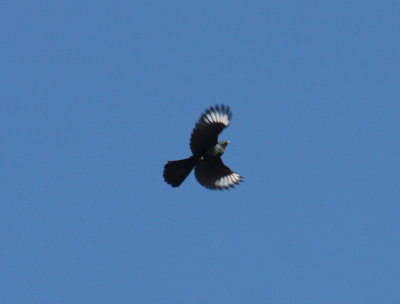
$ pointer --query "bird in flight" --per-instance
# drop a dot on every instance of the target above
(206, 160)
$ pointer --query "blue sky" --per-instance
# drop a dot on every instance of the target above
(97, 95)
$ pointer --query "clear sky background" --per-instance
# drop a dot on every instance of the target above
(97, 95)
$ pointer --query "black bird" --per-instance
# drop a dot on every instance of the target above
(209, 169)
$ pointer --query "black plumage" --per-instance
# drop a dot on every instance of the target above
(210, 171)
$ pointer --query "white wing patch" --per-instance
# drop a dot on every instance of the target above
(216, 117)
(228, 180)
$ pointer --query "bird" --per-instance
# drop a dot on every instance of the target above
(206, 160)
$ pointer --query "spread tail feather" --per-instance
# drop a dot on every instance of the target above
(176, 171)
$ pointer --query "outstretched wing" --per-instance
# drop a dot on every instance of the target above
(213, 174)
(210, 124)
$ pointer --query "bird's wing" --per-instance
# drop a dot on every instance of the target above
(213, 174)
(209, 125)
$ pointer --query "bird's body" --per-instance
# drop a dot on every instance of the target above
(210, 171)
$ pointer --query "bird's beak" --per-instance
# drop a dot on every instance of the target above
(227, 141)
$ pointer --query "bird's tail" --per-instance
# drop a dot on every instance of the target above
(176, 171)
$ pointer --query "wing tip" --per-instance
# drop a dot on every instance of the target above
(217, 114)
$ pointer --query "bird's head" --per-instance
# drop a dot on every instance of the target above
(224, 143)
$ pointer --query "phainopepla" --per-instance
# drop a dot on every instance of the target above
(209, 169)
